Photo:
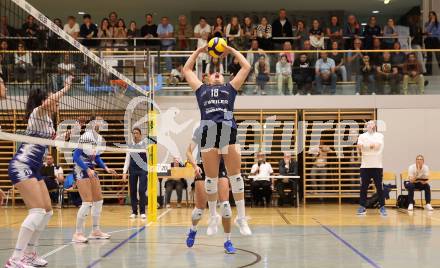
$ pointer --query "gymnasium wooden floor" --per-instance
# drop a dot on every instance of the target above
(311, 236)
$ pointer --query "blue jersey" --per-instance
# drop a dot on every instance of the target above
(28, 160)
(216, 104)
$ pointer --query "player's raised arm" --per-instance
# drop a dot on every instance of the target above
(190, 76)
(242, 75)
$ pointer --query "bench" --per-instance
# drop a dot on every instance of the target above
(433, 177)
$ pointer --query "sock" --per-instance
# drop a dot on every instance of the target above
(83, 212)
(227, 236)
(33, 242)
(96, 214)
(193, 227)
(212, 208)
(241, 210)
(30, 224)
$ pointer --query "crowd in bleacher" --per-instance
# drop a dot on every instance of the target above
(310, 71)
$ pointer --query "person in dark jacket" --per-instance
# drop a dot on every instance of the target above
(281, 27)
(303, 73)
(287, 167)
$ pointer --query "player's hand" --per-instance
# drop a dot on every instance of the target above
(68, 81)
(111, 171)
(124, 177)
(203, 49)
(372, 146)
(91, 173)
(197, 172)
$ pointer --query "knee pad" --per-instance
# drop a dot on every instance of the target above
(84, 209)
(197, 214)
(97, 208)
(237, 184)
(46, 220)
(225, 209)
(34, 219)
(211, 185)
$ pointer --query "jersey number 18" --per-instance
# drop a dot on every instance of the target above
(214, 92)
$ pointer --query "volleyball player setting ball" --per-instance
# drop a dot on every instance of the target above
(23, 171)
(219, 129)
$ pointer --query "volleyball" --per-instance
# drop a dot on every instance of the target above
(216, 47)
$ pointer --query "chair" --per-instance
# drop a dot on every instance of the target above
(390, 177)
(403, 178)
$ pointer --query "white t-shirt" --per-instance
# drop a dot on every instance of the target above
(423, 173)
(200, 41)
(263, 172)
(371, 158)
(71, 30)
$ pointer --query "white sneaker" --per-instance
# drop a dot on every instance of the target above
(11, 263)
(133, 216)
(429, 207)
(357, 94)
(242, 224)
(143, 217)
(179, 205)
(410, 207)
(213, 225)
(34, 260)
(98, 234)
(168, 206)
(79, 238)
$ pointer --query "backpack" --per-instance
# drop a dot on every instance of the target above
(373, 201)
(403, 201)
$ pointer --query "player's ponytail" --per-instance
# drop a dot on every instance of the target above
(36, 99)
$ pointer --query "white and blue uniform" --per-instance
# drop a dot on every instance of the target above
(27, 162)
(216, 104)
(85, 159)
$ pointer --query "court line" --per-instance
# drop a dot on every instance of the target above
(350, 246)
(284, 217)
(123, 242)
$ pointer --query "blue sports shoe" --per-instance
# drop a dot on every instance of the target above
(383, 211)
(191, 238)
(229, 248)
(361, 211)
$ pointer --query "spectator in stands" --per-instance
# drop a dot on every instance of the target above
(334, 31)
(389, 30)
(262, 184)
(339, 61)
(136, 165)
(166, 31)
(149, 30)
(106, 33)
(352, 30)
(313, 57)
(432, 41)
(201, 32)
(365, 77)
(354, 60)
(281, 28)
(233, 33)
(113, 19)
(88, 30)
(72, 27)
(303, 72)
(387, 72)
(325, 72)
(320, 152)
(287, 167)
(218, 29)
(375, 57)
(30, 30)
(184, 31)
(65, 68)
(284, 76)
(253, 57)
(371, 31)
(248, 31)
(316, 35)
(233, 68)
(214, 66)
(132, 32)
(287, 47)
(418, 176)
(53, 177)
(262, 71)
(120, 34)
(398, 58)
(412, 72)
(177, 185)
(23, 68)
(6, 60)
(300, 34)
(416, 33)
(5, 29)
(176, 76)
(264, 34)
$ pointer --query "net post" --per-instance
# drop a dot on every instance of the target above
(152, 168)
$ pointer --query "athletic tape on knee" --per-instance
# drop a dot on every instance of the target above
(211, 185)
(84, 209)
(97, 208)
(34, 218)
(197, 214)
(225, 209)
(237, 184)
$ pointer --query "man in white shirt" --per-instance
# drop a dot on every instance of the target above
(71, 27)
(325, 69)
(418, 176)
(262, 184)
(371, 144)
(202, 32)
